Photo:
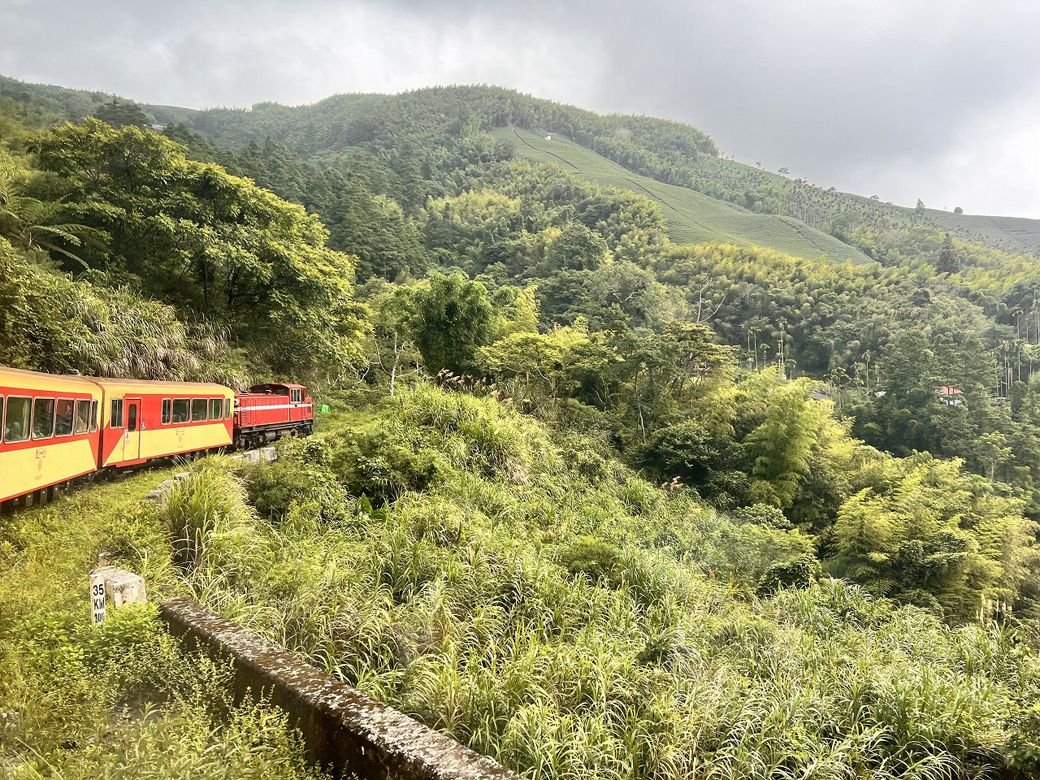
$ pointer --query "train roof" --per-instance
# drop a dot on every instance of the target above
(157, 388)
(16, 378)
(74, 383)
(263, 388)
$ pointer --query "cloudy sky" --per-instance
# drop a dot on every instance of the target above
(906, 99)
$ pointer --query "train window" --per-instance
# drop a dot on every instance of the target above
(167, 411)
(131, 418)
(180, 410)
(66, 409)
(227, 408)
(93, 416)
(43, 418)
(198, 409)
(117, 413)
(16, 426)
(216, 406)
(82, 417)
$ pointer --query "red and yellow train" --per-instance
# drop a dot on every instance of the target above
(55, 429)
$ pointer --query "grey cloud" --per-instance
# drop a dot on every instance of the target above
(904, 98)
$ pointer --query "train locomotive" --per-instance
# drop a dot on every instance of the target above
(57, 429)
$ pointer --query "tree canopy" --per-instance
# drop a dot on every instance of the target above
(219, 248)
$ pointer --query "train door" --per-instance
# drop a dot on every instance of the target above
(132, 433)
(295, 408)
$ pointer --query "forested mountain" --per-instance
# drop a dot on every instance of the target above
(595, 382)
(411, 125)
(968, 306)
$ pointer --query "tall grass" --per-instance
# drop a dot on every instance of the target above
(122, 699)
(579, 628)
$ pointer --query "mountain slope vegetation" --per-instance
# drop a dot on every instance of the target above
(668, 152)
(551, 609)
(691, 217)
(611, 489)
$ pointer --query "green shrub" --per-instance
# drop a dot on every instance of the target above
(494, 441)
(300, 484)
(1024, 744)
(801, 572)
(591, 557)
(372, 465)
(763, 515)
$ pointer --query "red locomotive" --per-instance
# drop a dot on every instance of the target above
(269, 411)
(54, 429)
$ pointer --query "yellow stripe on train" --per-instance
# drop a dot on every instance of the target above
(166, 441)
(32, 468)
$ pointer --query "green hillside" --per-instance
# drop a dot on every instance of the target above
(691, 216)
(1012, 234)
(392, 138)
(1017, 235)
(596, 502)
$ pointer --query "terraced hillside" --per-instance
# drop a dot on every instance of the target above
(691, 216)
(1012, 234)
(1018, 235)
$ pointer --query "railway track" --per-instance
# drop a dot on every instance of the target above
(44, 496)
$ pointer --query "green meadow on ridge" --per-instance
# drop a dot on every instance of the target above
(691, 216)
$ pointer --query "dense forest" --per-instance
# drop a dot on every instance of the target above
(576, 460)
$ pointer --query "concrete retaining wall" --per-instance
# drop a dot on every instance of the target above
(343, 730)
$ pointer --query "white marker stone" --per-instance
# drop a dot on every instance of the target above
(97, 597)
(110, 584)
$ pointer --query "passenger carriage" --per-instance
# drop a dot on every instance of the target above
(48, 431)
(54, 429)
(143, 421)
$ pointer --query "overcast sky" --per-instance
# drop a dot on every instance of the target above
(906, 99)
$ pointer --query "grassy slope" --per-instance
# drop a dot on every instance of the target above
(691, 216)
(554, 611)
(120, 700)
(1013, 234)
(1010, 234)
(540, 603)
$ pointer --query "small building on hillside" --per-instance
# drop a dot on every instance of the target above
(951, 396)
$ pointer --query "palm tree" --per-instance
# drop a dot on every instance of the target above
(30, 223)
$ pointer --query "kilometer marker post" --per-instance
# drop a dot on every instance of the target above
(97, 597)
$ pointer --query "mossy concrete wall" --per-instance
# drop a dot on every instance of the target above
(343, 730)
